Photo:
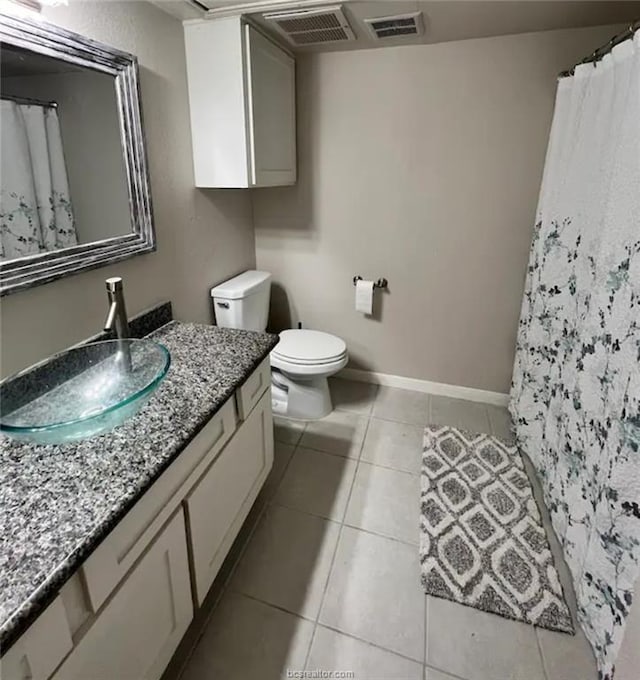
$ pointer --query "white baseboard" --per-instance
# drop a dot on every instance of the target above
(441, 389)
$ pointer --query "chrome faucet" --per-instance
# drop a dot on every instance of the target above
(117, 318)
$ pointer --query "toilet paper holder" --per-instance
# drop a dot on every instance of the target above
(380, 283)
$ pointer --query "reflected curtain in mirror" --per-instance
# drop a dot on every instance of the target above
(35, 206)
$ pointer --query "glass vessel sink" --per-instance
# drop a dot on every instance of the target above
(82, 392)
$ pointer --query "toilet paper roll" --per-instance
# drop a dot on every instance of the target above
(364, 296)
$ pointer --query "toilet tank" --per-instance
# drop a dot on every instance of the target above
(243, 301)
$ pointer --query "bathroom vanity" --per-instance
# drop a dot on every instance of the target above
(113, 543)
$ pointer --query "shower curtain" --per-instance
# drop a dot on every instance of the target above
(575, 396)
(35, 207)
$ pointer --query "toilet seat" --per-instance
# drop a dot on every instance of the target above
(306, 348)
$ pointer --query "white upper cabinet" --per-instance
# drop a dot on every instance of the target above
(242, 104)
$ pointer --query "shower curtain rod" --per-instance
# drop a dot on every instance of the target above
(28, 100)
(597, 54)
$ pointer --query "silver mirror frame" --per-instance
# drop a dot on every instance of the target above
(39, 36)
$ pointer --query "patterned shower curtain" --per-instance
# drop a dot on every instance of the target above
(35, 207)
(575, 396)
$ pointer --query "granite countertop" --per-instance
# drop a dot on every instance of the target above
(58, 502)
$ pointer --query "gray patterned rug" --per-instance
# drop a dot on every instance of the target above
(482, 542)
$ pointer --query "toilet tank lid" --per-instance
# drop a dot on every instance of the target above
(241, 286)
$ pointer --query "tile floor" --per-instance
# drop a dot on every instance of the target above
(325, 575)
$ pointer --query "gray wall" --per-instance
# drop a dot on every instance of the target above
(421, 164)
(203, 236)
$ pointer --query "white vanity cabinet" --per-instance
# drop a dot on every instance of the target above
(125, 610)
(242, 105)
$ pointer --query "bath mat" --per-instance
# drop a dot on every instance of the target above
(482, 542)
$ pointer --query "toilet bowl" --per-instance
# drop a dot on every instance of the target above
(303, 359)
(301, 363)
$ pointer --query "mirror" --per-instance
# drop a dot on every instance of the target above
(74, 190)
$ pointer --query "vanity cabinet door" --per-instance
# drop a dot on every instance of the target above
(135, 635)
(37, 653)
(220, 502)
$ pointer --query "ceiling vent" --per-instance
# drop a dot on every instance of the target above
(312, 26)
(396, 26)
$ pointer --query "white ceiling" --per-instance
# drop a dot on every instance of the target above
(445, 20)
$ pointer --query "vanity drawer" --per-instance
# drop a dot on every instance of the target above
(116, 554)
(39, 651)
(220, 502)
(249, 394)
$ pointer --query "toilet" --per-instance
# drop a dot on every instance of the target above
(300, 363)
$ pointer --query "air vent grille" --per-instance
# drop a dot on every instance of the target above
(312, 23)
(312, 26)
(402, 25)
(326, 35)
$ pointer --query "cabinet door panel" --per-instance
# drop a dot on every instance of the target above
(136, 633)
(117, 553)
(37, 653)
(272, 123)
(223, 497)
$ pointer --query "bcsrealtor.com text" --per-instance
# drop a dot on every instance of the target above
(322, 673)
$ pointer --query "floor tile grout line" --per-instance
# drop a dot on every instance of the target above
(316, 623)
(311, 641)
(541, 654)
(275, 503)
(491, 427)
(487, 415)
(367, 462)
(335, 550)
(330, 627)
(334, 629)
(278, 607)
(388, 467)
(333, 520)
(412, 423)
(431, 667)
(329, 453)
(395, 539)
(426, 626)
(300, 444)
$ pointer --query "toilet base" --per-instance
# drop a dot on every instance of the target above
(302, 398)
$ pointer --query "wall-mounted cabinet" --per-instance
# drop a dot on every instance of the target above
(242, 105)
